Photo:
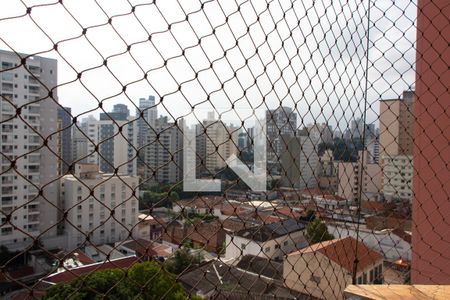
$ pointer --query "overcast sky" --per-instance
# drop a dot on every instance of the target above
(247, 55)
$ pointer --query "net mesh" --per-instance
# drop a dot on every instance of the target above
(94, 172)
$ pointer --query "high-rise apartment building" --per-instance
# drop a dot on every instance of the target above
(164, 152)
(79, 145)
(89, 215)
(398, 174)
(65, 145)
(26, 166)
(321, 133)
(397, 125)
(299, 162)
(279, 122)
(110, 142)
(147, 113)
(361, 177)
(396, 145)
(219, 140)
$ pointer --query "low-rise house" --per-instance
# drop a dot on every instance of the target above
(324, 270)
(69, 275)
(392, 244)
(144, 249)
(261, 266)
(209, 236)
(217, 280)
(272, 241)
(198, 205)
(148, 227)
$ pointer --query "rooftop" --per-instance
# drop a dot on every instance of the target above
(342, 252)
(219, 280)
(262, 266)
(272, 231)
(69, 275)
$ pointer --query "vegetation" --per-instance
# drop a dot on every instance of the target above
(317, 231)
(194, 218)
(309, 217)
(344, 150)
(142, 281)
(158, 199)
(182, 260)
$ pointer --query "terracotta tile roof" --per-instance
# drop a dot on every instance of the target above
(208, 235)
(69, 275)
(342, 252)
(288, 211)
(147, 248)
(82, 258)
(267, 218)
(373, 205)
(201, 202)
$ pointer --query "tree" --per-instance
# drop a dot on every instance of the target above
(182, 260)
(317, 231)
(142, 281)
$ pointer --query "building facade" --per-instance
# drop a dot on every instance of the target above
(324, 270)
(353, 183)
(397, 177)
(88, 215)
(65, 145)
(163, 154)
(279, 122)
(21, 140)
(299, 163)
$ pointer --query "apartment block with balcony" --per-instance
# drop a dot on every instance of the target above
(92, 216)
(163, 152)
(26, 167)
(397, 177)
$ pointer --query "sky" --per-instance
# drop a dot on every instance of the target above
(238, 58)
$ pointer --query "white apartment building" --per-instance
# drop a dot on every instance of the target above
(20, 142)
(220, 142)
(398, 176)
(272, 241)
(92, 215)
(116, 148)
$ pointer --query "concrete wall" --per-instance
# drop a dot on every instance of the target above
(431, 230)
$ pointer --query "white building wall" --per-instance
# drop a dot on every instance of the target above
(273, 249)
(91, 215)
(22, 138)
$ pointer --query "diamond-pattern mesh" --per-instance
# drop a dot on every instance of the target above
(94, 201)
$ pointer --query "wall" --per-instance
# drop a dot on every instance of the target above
(431, 154)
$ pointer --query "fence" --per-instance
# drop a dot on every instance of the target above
(300, 148)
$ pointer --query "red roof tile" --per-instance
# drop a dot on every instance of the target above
(342, 252)
(69, 275)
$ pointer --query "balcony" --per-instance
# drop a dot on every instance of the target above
(35, 70)
(7, 87)
(7, 191)
(33, 90)
(7, 76)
